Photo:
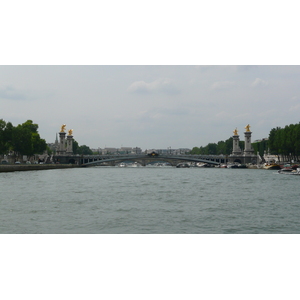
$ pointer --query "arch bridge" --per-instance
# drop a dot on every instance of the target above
(88, 161)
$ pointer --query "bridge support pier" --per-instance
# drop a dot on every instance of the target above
(62, 144)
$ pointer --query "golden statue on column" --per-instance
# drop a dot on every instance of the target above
(247, 128)
(63, 128)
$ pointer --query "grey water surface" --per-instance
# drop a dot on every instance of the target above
(141, 200)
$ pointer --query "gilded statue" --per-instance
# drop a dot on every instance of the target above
(247, 128)
(63, 128)
(235, 131)
(70, 132)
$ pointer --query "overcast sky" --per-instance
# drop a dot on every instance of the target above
(151, 106)
(151, 76)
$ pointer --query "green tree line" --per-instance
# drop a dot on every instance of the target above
(82, 150)
(282, 141)
(225, 148)
(22, 139)
(285, 141)
(222, 147)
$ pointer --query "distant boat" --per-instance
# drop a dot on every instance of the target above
(242, 166)
(122, 165)
(134, 165)
(182, 165)
(232, 166)
(271, 166)
(203, 165)
(290, 171)
(287, 168)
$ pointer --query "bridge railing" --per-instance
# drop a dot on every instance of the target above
(94, 159)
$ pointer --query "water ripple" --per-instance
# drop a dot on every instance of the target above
(149, 200)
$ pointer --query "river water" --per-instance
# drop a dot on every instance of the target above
(166, 200)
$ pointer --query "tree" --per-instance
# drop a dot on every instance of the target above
(3, 147)
(84, 150)
(273, 140)
(3, 142)
(260, 147)
(285, 141)
(212, 149)
(221, 147)
(39, 145)
(195, 150)
(297, 140)
(215, 149)
(23, 139)
(229, 146)
(26, 139)
(5, 136)
(75, 147)
(30, 126)
(282, 141)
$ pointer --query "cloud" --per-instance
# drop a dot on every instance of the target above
(295, 108)
(161, 85)
(210, 101)
(222, 85)
(259, 82)
(222, 115)
(10, 93)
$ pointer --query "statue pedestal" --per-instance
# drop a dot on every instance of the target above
(236, 150)
(69, 144)
(248, 147)
(62, 144)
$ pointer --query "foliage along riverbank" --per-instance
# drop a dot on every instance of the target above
(23, 139)
(281, 141)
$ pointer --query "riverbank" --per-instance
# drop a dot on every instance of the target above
(14, 168)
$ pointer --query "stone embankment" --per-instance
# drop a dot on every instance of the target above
(20, 167)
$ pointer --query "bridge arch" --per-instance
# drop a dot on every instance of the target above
(237, 161)
(72, 161)
(172, 159)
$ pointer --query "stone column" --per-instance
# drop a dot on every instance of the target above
(248, 147)
(236, 150)
(70, 144)
(62, 146)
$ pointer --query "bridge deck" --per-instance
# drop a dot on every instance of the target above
(166, 158)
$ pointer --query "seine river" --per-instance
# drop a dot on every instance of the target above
(144, 200)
